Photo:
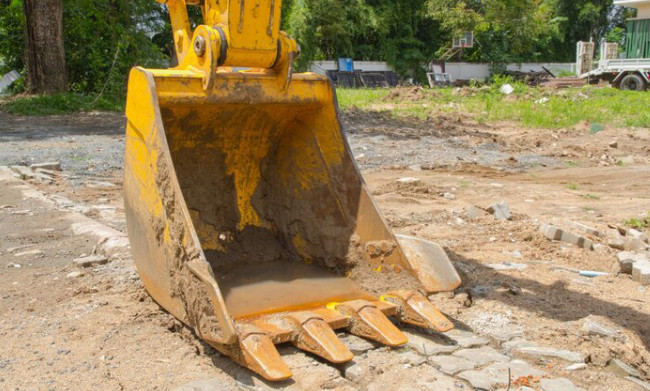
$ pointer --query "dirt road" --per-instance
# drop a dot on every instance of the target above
(65, 326)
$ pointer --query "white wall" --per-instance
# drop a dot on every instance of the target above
(457, 70)
(468, 71)
(366, 66)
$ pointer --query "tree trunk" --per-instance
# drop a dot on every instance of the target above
(44, 51)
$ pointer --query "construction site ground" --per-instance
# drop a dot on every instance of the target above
(523, 309)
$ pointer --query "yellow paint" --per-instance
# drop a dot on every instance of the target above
(242, 161)
(332, 306)
(302, 248)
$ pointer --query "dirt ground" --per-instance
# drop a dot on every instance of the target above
(65, 327)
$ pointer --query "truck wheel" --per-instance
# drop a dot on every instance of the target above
(633, 82)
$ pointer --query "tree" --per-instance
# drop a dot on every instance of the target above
(505, 30)
(44, 50)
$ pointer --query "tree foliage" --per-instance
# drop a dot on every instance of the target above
(105, 38)
(397, 31)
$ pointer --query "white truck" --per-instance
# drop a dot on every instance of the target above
(629, 73)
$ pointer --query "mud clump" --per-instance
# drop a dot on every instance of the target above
(410, 94)
(368, 266)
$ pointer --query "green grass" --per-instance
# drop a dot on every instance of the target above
(572, 186)
(639, 223)
(361, 98)
(59, 104)
(590, 196)
(598, 107)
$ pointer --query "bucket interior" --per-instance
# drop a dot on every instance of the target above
(272, 193)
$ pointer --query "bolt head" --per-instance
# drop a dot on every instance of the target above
(199, 46)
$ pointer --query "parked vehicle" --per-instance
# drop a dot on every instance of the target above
(632, 72)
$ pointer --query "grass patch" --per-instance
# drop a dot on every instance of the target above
(590, 196)
(530, 106)
(572, 186)
(639, 223)
(60, 104)
(361, 98)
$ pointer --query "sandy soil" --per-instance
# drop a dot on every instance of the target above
(101, 330)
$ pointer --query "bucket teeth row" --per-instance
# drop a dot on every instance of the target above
(367, 321)
(313, 330)
(415, 309)
(317, 337)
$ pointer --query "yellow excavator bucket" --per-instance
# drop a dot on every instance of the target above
(247, 216)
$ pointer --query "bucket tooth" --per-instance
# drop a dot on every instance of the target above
(260, 355)
(415, 309)
(317, 337)
(367, 321)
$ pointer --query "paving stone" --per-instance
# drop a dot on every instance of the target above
(356, 344)
(500, 211)
(412, 358)
(539, 351)
(576, 367)
(622, 369)
(591, 326)
(482, 356)
(555, 233)
(583, 227)
(91, 260)
(451, 365)
(497, 374)
(466, 339)
(558, 384)
(641, 272)
(516, 343)
(429, 345)
(53, 166)
(353, 372)
(615, 239)
(627, 259)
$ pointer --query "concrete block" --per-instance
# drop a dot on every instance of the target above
(500, 211)
(482, 356)
(641, 272)
(53, 166)
(540, 351)
(584, 228)
(555, 233)
(626, 260)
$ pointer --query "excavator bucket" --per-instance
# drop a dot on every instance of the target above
(247, 216)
